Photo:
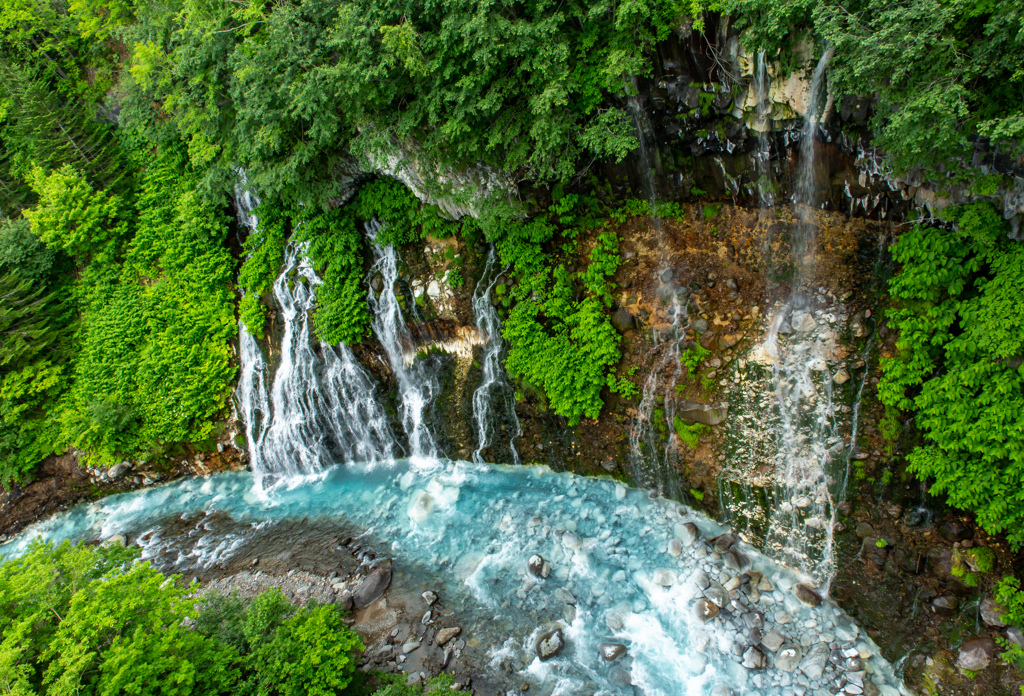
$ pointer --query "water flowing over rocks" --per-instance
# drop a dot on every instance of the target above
(605, 582)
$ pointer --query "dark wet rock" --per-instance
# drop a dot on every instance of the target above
(611, 651)
(910, 561)
(753, 619)
(1015, 636)
(667, 275)
(536, 565)
(550, 644)
(372, 588)
(945, 605)
(788, 657)
(813, 664)
(118, 470)
(976, 654)
(705, 610)
(724, 542)
(700, 325)
(345, 600)
(806, 595)
(992, 613)
(622, 320)
(446, 634)
(703, 413)
(955, 531)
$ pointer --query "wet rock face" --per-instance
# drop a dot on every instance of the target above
(703, 413)
(611, 651)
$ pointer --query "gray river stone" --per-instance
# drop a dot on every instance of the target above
(664, 577)
(788, 657)
(992, 613)
(773, 640)
(550, 644)
(701, 580)
(675, 547)
(753, 659)
(717, 594)
(813, 664)
(372, 587)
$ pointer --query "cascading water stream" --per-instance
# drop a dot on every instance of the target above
(644, 134)
(494, 388)
(416, 386)
(321, 406)
(762, 155)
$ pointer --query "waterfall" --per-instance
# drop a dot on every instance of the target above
(494, 386)
(644, 132)
(417, 387)
(321, 407)
(762, 155)
(805, 196)
(653, 443)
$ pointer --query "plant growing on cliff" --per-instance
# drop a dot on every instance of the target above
(958, 366)
(1011, 598)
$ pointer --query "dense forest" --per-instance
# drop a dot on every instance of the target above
(127, 128)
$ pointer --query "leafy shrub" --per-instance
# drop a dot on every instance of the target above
(689, 433)
(264, 251)
(311, 653)
(960, 303)
(1011, 598)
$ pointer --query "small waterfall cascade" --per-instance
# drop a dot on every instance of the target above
(805, 197)
(417, 388)
(494, 390)
(762, 154)
(653, 444)
(321, 406)
(644, 136)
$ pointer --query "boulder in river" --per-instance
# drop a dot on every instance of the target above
(550, 644)
(705, 610)
(687, 533)
(813, 664)
(536, 565)
(665, 578)
(611, 651)
(724, 542)
(372, 587)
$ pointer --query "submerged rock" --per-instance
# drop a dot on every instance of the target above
(550, 644)
(536, 565)
(788, 657)
(813, 664)
(665, 578)
(611, 651)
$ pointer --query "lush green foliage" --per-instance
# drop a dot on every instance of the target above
(1011, 598)
(92, 620)
(943, 70)
(961, 306)
(291, 90)
(264, 251)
